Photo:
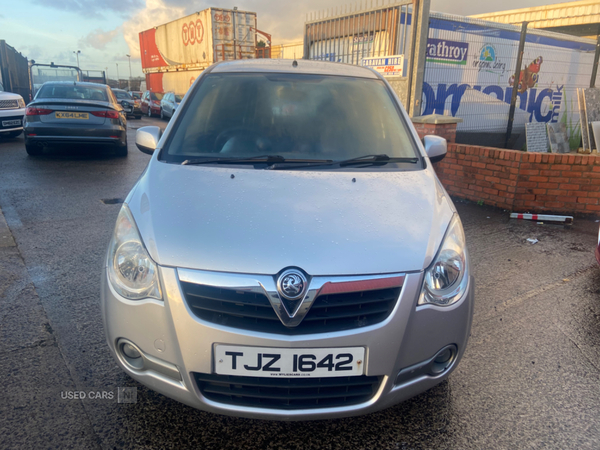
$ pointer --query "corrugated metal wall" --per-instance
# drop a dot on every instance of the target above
(295, 50)
(14, 71)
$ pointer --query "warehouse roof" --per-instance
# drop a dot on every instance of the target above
(580, 18)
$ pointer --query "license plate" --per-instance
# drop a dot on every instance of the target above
(72, 115)
(289, 362)
(9, 123)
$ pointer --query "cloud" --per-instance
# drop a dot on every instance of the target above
(282, 19)
(34, 52)
(99, 39)
(93, 8)
(155, 13)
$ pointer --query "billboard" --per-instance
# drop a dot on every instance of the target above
(388, 66)
(470, 73)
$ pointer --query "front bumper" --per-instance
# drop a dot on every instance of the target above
(11, 115)
(177, 344)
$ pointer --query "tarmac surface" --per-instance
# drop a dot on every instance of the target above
(530, 377)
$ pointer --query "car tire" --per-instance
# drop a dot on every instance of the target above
(162, 114)
(149, 112)
(121, 151)
(33, 150)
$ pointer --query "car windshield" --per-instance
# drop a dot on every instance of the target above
(178, 98)
(156, 96)
(136, 95)
(72, 91)
(294, 116)
(122, 95)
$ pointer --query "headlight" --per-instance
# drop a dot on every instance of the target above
(21, 103)
(131, 271)
(446, 279)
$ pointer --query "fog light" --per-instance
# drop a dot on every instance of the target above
(442, 361)
(131, 352)
(444, 356)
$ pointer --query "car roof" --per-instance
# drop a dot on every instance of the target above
(76, 83)
(303, 66)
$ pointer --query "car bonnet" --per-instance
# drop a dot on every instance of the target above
(331, 222)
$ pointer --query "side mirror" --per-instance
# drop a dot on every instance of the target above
(435, 147)
(146, 139)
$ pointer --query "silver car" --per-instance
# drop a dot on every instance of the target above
(169, 104)
(289, 252)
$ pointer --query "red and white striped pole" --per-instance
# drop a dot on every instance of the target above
(542, 217)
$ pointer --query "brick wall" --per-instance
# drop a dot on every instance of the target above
(447, 131)
(523, 182)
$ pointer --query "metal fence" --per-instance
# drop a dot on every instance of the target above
(94, 76)
(470, 73)
(14, 71)
(353, 32)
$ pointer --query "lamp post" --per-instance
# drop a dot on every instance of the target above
(129, 81)
(77, 54)
(118, 80)
(106, 73)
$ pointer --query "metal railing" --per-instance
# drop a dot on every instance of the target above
(351, 33)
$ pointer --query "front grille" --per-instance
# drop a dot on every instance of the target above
(9, 104)
(287, 393)
(251, 311)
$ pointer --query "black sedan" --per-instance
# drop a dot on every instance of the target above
(75, 113)
(129, 103)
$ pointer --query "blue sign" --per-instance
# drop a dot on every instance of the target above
(543, 105)
(447, 52)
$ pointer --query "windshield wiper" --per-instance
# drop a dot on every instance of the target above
(365, 159)
(383, 158)
(271, 159)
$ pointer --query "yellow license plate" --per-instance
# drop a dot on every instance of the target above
(72, 115)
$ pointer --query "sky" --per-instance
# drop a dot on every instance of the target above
(105, 31)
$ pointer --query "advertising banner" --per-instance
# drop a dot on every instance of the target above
(470, 73)
(389, 66)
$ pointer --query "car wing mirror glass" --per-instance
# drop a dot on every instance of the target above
(435, 147)
(146, 139)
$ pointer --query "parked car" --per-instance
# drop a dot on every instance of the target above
(289, 252)
(169, 104)
(129, 104)
(67, 112)
(12, 111)
(137, 95)
(150, 103)
(137, 98)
